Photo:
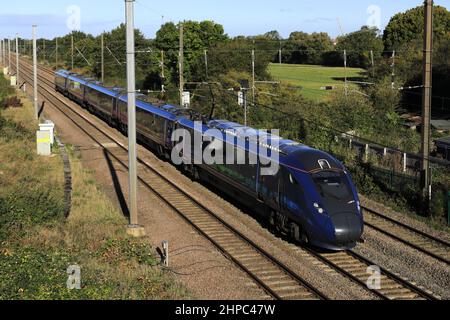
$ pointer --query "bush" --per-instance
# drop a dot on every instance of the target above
(26, 206)
(11, 102)
(10, 130)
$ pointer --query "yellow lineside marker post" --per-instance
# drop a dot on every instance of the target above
(43, 141)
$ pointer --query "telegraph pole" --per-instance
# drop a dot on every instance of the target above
(1, 51)
(133, 229)
(71, 39)
(56, 52)
(9, 55)
(206, 64)
(103, 58)
(181, 63)
(35, 83)
(17, 59)
(373, 63)
(253, 76)
(163, 77)
(280, 54)
(345, 71)
(393, 70)
(426, 103)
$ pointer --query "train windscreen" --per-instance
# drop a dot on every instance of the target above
(333, 186)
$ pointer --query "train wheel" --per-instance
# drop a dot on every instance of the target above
(298, 233)
(160, 152)
(272, 219)
(295, 232)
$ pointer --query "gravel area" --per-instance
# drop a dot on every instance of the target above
(406, 262)
(403, 260)
(408, 220)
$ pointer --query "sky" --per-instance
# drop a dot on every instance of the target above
(239, 17)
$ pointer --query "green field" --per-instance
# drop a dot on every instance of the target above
(311, 78)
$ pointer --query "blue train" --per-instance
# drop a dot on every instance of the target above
(310, 198)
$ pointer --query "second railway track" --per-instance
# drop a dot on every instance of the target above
(358, 269)
(421, 241)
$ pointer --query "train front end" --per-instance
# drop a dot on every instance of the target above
(338, 200)
(332, 217)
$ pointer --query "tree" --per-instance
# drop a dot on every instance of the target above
(115, 56)
(295, 50)
(236, 55)
(407, 26)
(303, 48)
(318, 45)
(198, 36)
(273, 35)
(82, 42)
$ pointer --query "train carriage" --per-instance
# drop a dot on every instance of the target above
(75, 86)
(61, 81)
(153, 124)
(310, 196)
(100, 100)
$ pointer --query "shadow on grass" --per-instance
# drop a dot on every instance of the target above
(117, 186)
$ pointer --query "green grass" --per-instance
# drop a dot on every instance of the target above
(311, 78)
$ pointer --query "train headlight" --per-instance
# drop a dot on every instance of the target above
(318, 208)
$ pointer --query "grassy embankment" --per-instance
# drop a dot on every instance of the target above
(37, 244)
(312, 78)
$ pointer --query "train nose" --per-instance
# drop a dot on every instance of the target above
(347, 227)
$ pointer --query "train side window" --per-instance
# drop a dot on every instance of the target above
(292, 186)
(268, 186)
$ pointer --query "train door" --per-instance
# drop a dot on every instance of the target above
(291, 193)
(268, 188)
(115, 111)
(169, 130)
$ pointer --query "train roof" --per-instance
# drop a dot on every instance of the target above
(99, 87)
(62, 73)
(293, 154)
(314, 160)
(77, 78)
(284, 146)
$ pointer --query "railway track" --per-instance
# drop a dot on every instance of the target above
(421, 241)
(359, 269)
(275, 278)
